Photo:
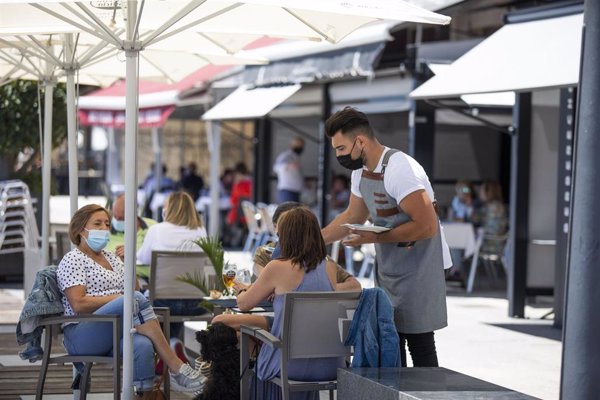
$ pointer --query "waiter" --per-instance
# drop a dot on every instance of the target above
(393, 190)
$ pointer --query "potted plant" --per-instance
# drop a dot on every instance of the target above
(213, 248)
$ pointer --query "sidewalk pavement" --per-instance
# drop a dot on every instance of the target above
(480, 341)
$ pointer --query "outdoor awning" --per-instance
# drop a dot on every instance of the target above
(518, 57)
(301, 62)
(147, 118)
(245, 103)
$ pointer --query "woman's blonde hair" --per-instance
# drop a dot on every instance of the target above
(300, 238)
(80, 220)
(181, 211)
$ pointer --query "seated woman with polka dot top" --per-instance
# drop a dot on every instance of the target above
(92, 281)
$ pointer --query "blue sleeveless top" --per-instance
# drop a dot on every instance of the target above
(315, 369)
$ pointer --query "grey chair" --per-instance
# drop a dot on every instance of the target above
(314, 326)
(52, 327)
(166, 266)
(489, 260)
(63, 245)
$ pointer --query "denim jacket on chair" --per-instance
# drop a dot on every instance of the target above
(373, 333)
(43, 300)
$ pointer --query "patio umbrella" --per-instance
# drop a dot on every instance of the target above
(53, 58)
(324, 19)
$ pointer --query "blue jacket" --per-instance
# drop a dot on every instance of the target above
(45, 299)
(373, 333)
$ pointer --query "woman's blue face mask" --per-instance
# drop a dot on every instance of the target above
(97, 239)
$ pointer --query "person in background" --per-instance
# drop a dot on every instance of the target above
(166, 185)
(92, 281)
(227, 181)
(464, 202)
(191, 182)
(180, 227)
(290, 180)
(393, 190)
(240, 191)
(340, 195)
(492, 217)
(117, 228)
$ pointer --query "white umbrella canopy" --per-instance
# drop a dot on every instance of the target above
(176, 57)
(329, 20)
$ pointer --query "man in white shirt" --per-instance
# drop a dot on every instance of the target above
(393, 190)
(290, 180)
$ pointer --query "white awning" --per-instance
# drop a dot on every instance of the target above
(518, 57)
(246, 103)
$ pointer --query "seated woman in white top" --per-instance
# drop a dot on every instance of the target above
(181, 226)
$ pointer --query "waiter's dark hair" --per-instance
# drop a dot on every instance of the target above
(349, 121)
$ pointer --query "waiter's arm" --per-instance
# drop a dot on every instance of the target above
(423, 223)
(356, 213)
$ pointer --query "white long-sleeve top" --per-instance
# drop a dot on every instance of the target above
(168, 236)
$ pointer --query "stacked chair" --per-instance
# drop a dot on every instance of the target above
(18, 228)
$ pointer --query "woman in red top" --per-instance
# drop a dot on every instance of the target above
(241, 190)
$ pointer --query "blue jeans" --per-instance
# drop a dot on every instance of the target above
(95, 338)
(287, 195)
(180, 307)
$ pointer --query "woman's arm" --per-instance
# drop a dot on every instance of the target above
(83, 304)
(259, 290)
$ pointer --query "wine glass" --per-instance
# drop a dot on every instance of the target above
(244, 277)
(229, 274)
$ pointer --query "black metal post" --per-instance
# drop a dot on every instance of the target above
(519, 205)
(565, 168)
(422, 135)
(581, 347)
(324, 152)
(262, 160)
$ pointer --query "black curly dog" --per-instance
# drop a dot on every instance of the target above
(218, 345)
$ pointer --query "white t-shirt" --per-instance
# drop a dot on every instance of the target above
(168, 236)
(403, 176)
(76, 268)
(289, 173)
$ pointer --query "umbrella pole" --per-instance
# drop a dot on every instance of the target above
(46, 165)
(72, 143)
(71, 127)
(132, 53)
(131, 131)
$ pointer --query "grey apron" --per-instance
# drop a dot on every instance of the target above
(412, 274)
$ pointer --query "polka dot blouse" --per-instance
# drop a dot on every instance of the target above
(76, 268)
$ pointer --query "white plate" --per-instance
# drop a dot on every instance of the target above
(367, 228)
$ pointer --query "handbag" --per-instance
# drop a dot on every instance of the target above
(156, 393)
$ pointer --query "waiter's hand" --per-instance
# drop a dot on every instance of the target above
(357, 238)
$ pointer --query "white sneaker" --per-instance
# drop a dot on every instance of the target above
(205, 367)
(187, 380)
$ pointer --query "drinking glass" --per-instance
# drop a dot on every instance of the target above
(244, 276)
(229, 274)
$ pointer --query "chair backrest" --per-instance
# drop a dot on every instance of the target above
(266, 219)
(166, 266)
(63, 244)
(249, 211)
(312, 322)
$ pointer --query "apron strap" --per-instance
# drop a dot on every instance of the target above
(386, 159)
